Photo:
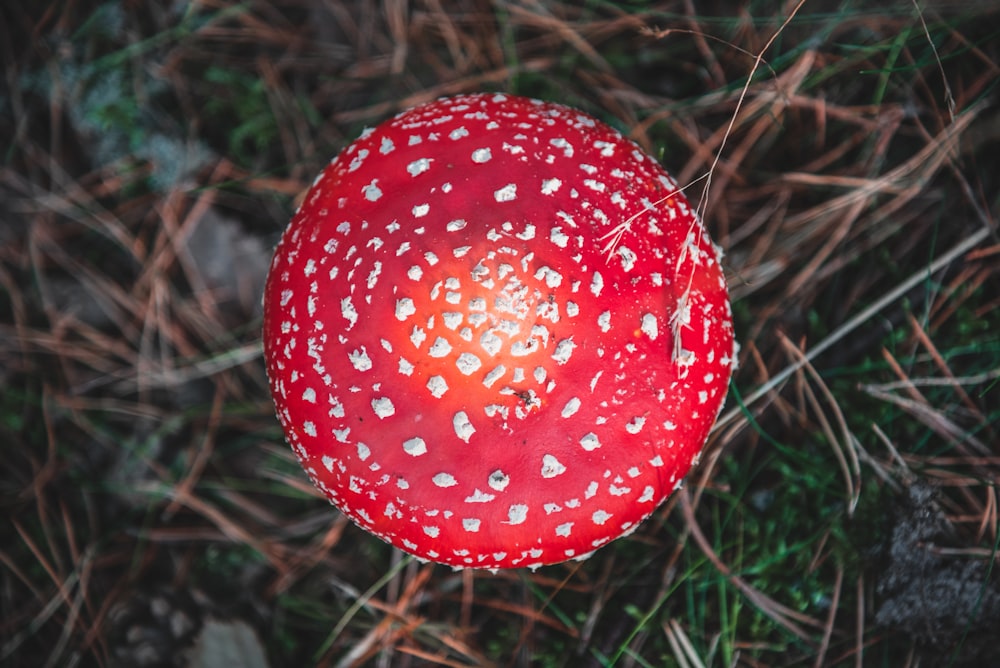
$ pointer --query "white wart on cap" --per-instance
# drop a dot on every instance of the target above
(496, 333)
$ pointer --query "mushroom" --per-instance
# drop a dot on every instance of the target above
(496, 333)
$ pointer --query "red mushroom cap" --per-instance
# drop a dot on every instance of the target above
(496, 333)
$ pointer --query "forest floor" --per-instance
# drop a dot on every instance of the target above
(845, 512)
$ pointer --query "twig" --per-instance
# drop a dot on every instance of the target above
(864, 316)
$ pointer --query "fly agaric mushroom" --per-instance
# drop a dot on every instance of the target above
(496, 333)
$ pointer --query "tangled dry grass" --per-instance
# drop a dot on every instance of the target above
(845, 158)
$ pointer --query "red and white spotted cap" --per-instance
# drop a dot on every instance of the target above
(496, 333)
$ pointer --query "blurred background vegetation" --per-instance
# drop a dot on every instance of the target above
(846, 510)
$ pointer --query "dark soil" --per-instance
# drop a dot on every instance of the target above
(948, 603)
